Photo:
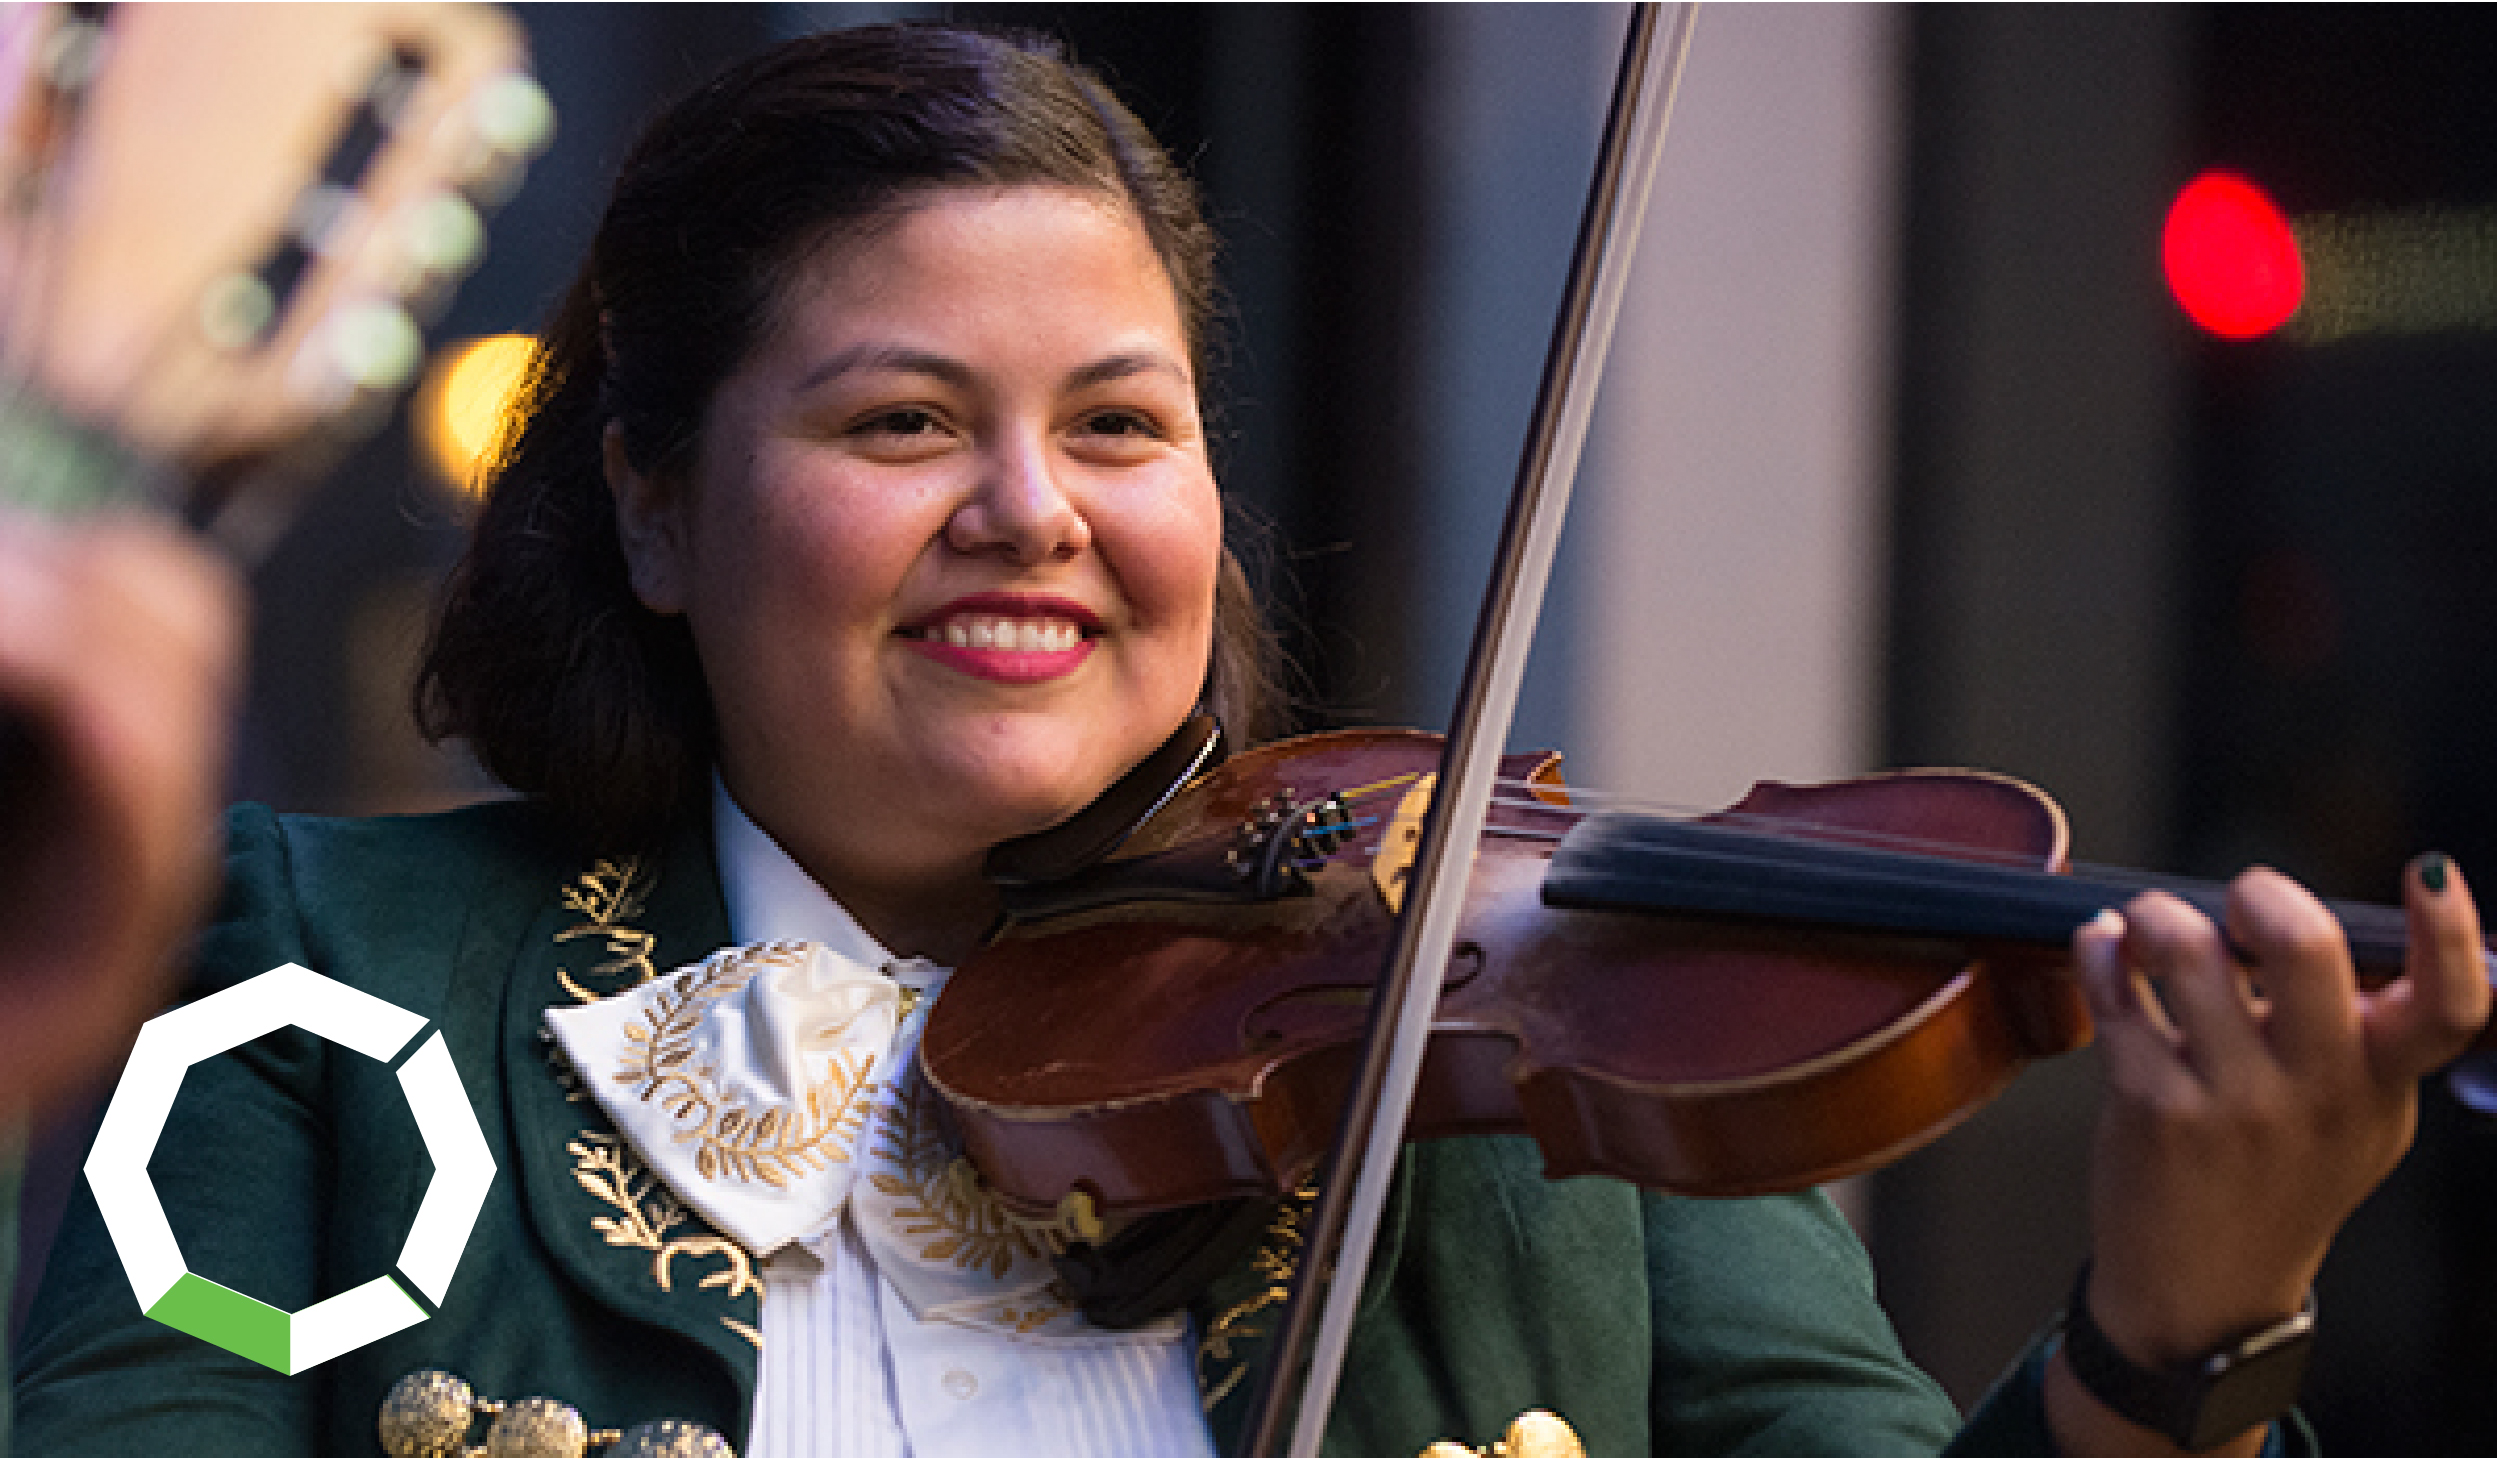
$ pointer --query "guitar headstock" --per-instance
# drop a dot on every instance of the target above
(222, 227)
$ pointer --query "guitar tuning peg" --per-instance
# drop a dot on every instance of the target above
(373, 345)
(429, 245)
(440, 236)
(514, 116)
(507, 121)
(237, 310)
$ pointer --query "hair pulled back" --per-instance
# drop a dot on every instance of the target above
(541, 656)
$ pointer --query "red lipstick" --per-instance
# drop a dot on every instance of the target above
(1007, 638)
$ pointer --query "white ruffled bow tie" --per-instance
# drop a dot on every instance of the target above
(772, 1087)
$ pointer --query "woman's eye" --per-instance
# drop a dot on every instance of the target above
(1120, 423)
(900, 421)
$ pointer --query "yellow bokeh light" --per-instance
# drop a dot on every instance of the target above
(460, 410)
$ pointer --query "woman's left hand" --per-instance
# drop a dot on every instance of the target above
(2249, 1109)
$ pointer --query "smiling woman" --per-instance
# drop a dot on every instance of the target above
(947, 548)
(719, 262)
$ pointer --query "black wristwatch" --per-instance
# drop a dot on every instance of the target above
(2198, 1405)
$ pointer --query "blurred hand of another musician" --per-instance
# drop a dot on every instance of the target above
(120, 644)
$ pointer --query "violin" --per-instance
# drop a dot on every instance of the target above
(1807, 984)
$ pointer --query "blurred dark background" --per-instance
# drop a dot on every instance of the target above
(2282, 548)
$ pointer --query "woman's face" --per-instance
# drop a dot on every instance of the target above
(949, 550)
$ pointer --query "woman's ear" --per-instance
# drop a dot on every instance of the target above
(650, 528)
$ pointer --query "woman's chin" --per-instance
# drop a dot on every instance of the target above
(1015, 797)
(1034, 782)
(1039, 809)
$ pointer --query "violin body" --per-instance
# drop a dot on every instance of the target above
(1178, 1024)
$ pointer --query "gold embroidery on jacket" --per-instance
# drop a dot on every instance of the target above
(964, 1219)
(560, 1065)
(1278, 1255)
(606, 896)
(647, 1213)
(734, 1141)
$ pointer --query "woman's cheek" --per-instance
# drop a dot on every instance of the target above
(1180, 549)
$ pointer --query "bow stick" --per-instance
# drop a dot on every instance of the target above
(1346, 1216)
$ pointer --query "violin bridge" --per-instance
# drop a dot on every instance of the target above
(1394, 863)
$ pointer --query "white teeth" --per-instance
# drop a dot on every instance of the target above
(1024, 636)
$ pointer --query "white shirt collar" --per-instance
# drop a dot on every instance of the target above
(773, 900)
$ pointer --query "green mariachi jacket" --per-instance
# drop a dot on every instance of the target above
(291, 1170)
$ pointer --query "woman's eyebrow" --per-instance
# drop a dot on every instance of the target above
(954, 372)
(1122, 366)
(886, 357)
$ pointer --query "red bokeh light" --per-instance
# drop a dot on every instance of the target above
(2230, 257)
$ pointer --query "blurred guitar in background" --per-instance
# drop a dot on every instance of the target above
(223, 230)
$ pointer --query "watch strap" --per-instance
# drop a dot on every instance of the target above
(2198, 1405)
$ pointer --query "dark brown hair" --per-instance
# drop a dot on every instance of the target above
(541, 656)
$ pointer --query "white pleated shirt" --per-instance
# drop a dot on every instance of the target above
(846, 1367)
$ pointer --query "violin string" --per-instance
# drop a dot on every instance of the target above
(1531, 795)
(1337, 816)
(2114, 876)
(1907, 843)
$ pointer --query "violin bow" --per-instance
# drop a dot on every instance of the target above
(1345, 1218)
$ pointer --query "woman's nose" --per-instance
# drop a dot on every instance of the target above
(1019, 508)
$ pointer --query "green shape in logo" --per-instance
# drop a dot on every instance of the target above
(226, 1318)
(117, 1169)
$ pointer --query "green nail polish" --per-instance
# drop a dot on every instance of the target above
(2433, 869)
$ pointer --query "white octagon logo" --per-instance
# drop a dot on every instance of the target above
(118, 1169)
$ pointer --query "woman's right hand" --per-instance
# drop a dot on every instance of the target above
(120, 655)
